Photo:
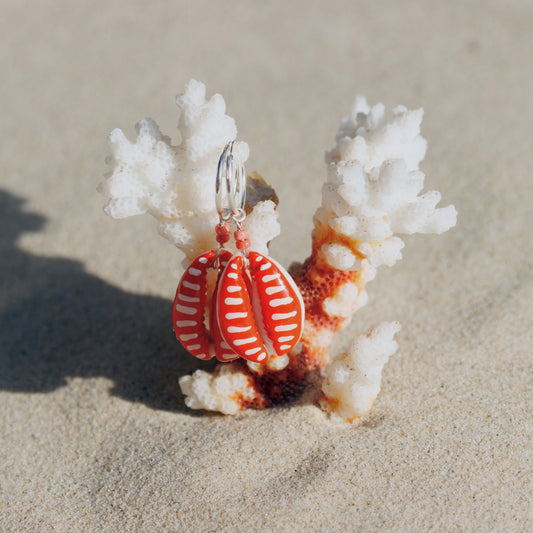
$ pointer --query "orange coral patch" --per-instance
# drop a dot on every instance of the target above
(317, 281)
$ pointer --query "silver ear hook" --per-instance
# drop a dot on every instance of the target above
(230, 187)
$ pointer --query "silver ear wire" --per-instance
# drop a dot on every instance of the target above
(230, 187)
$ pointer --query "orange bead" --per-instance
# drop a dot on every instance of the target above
(222, 238)
(222, 229)
(241, 235)
(242, 244)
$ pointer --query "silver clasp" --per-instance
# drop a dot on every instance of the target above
(230, 187)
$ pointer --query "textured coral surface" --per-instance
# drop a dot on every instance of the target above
(372, 194)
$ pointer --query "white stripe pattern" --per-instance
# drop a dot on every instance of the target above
(186, 310)
(234, 288)
(276, 302)
(286, 327)
(238, 329)
(193, 347)
(193, 286)
(186, 323)
(188, 337)
(184, 298)
(233, 301)
(194, 271)
(248, 340)
(233, 316)
(251, 351)
(271, 277)
(286, 338)
(283, 316)
(275, 289)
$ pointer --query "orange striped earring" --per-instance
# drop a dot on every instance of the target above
(256, 309)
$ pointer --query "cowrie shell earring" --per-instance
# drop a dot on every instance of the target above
(256, 310)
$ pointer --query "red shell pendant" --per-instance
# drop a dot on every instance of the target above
(256, 309)
(235, 315)
(188, 309)
(255, 312)
(278, 301)
(222, 350)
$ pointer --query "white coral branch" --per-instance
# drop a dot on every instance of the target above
(175, 184)
(371, 195)
(224, 391)
(372, 191)
(352, 380)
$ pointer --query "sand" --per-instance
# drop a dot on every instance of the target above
(94, 434)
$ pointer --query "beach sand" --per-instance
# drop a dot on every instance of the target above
(94, 433)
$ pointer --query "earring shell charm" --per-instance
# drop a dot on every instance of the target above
(235, 314)
(278, 302)
(256, 309)
(261, 316)
(188, 309)
(223, 351)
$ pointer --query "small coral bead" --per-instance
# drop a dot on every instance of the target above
(241, 239)
(222, 238)
(222, 231)
(243, 244)
(240, 235)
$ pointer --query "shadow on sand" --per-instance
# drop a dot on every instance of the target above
(57, 321)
